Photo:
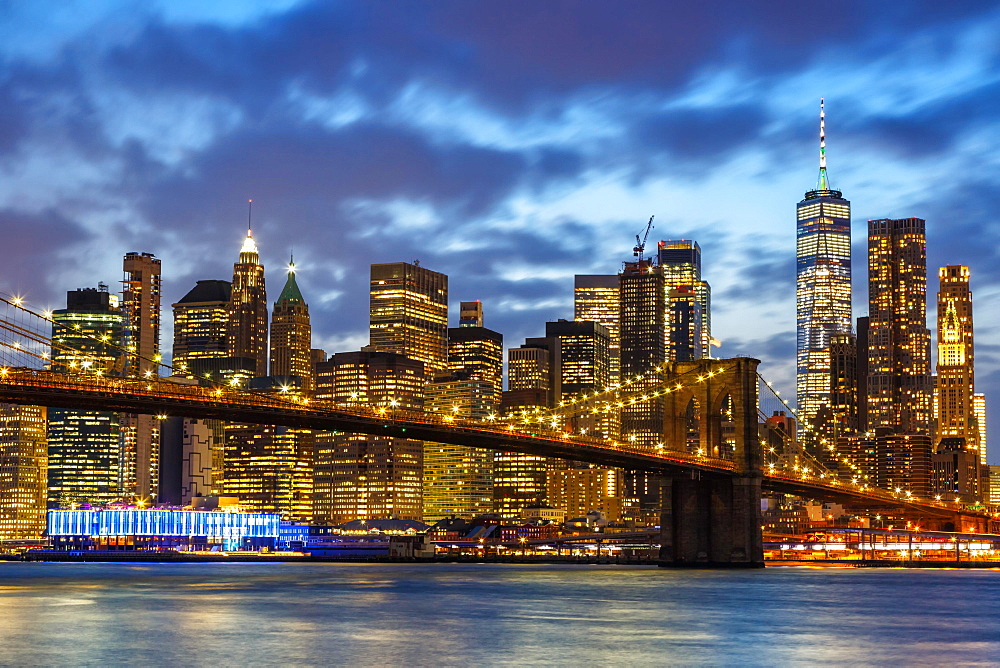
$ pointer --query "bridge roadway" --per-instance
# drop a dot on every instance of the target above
(166, 397)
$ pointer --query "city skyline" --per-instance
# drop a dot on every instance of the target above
(508, 189)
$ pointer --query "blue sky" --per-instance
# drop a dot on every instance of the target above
(510, 145)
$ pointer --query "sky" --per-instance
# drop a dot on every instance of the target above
(509, 145)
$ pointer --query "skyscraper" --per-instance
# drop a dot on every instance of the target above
(23, 471)
(960, 467)
(823, 283)
(84, 446)
(899, 359)
(291, 334)
(359, 476)
(247, 329)
(201, 321)
(475, 352)
(141, 313)
(270, 469)
(409, 314)
(595, 298)
(689, 300)
(458, 480)
(643, 348)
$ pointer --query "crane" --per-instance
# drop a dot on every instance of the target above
(640, 244)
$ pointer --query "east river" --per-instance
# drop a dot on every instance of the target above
(473, 614)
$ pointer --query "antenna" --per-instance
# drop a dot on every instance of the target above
(249, 216)
(824, 183)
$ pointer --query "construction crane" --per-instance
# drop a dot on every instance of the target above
(640, 244)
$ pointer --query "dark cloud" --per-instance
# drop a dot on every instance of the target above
(28, 252)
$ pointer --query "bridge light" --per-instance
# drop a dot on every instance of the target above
(937, 498)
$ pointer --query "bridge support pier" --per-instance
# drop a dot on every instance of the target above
(715, 522)
(711, 523)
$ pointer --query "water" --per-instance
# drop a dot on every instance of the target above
(472, 614)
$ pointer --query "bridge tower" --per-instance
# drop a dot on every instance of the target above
(713, 522)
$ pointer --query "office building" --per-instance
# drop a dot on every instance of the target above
(186, 446)
(359, 476)
(201, 322)
(84, 446)
(595, 299)
(458, 480)
(247, 328)
(409, 314)
(470, 314)
(291, 335)
(581, 490)
(141, 313)
(823, 284)
(956, 386)
(643, 349)
(269, 468)
(23, 471)
(476, 353)
(689, 301)
(899, 359)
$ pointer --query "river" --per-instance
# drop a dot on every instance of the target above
(477, 614)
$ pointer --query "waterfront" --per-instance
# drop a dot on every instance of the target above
(474, 614)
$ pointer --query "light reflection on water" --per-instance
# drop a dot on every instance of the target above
(469, 614)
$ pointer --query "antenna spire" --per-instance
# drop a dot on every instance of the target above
(249, 216)
(824, 182)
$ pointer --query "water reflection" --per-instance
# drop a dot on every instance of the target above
(169, 614)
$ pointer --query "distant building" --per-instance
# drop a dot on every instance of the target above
(470, 314)
(476, 353)
(85, 446)
(186, 460)
(291, 335)
(596, 299)
(247, 327)
(270, 469)
(23, 471)
(689, 300)
(361, 476)
(141, 314)
(201, 319)
(409, 314)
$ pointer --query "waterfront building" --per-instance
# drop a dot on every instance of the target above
(141, 315)
(689, 300)
(595, 299)
(359, 476)
(123, 528)
(246, 331)
(23, 471)
(583, 489)
(291, 335)
(994, 486)
(409, 314)
(457, 480)
(269, 469)
(84, 447)
(823, 284)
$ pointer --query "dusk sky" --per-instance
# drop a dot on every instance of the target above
(507, 144)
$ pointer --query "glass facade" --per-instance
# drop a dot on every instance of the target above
(23, 471)
(689, 300)
(822, 292)
(409, 313)
(595, 299)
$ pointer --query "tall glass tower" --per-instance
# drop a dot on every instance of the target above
(823, 283)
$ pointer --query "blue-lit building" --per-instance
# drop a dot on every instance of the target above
(161, 529)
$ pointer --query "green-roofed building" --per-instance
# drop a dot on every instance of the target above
(291, 334)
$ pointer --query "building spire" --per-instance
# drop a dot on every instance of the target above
(824, 182)
(249, 245)
(291, 263)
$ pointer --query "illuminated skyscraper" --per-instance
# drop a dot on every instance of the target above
(409, 313)
(956, 384)
(23, 471)
(141, 313)
(201, 320)
(584, 365)
(84, 446)
(689, 301)
(595, 298)
(475, 352)
(291, 334)
(247, 329)
(457, 480)
(643, 349)
(823, 284)
(899, 359)
(358, 476)
(270, 469)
